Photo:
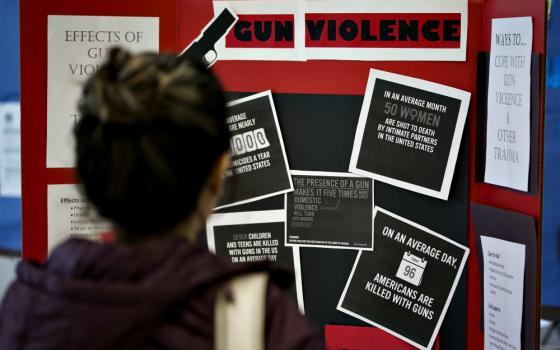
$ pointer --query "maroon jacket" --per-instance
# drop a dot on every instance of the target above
(154, 295)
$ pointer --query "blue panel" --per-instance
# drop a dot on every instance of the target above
(551, 191)
(10, 209)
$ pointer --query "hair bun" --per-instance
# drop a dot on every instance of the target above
(118, 59)
(125, 88)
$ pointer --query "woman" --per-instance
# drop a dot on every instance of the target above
(152, 146)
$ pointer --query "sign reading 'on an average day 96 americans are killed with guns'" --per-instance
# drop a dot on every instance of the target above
(406, 284)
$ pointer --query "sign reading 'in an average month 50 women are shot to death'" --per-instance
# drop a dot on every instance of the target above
(406, 284)
(409, 133)
(77, 45)
(259, 166)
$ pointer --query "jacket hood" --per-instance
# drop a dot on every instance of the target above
(119, 293)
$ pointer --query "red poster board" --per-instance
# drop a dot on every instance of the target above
(363, 338)
(182, 20)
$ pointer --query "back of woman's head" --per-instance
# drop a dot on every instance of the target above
(151, 130)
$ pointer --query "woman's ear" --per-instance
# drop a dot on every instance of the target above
(216, 180)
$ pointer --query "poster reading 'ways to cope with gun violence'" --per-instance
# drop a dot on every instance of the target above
(77, 45)
(409, 133)
(252, 237)
(259, 166)
(508, 125)
(330, 210)
(406, 284)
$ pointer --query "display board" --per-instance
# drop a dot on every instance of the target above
(317, 104)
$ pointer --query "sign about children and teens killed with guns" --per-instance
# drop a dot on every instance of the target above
(409, 133)
(369, 30)
(330, 210)
(259, 166)
(77, 45)
(405, 285)
(245, 237)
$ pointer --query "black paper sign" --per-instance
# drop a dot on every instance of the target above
(409, 133)
(406, 284)
(259, 166)
(248, 237)
(330, 210)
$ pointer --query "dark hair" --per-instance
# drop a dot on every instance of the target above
(152, 127)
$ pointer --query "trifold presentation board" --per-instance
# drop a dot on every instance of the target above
(365, 156)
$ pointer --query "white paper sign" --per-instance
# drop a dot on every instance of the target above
(504, 264)
(71, 215)
(381, 30)
(10, 150)
(369, 30)
(253, 39)
(508, 131)
(76, 46)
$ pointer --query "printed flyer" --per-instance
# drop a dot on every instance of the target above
(10, 149)
(259, 166)
(409, 133)
(252, 237)
(504, 272)
(70, 215)
(508, 128)
(76, 47)
(330, 210)
(406, 284)
(507, 248)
